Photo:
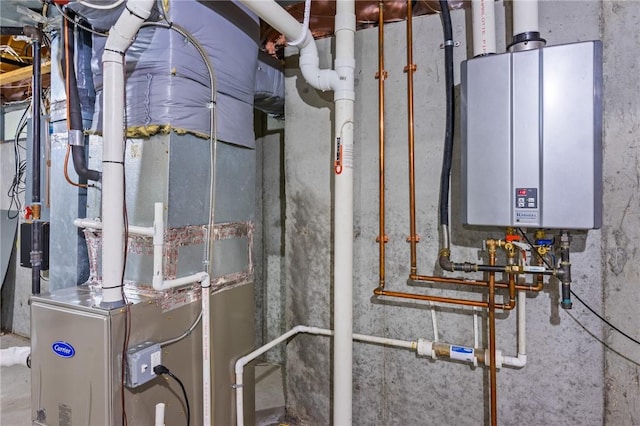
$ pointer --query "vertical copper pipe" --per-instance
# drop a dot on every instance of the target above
(512, 254)
(492, 339)
(381, 75)
(410, 69)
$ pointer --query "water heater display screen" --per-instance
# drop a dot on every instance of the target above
(526, 198)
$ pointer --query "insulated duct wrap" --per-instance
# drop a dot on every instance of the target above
(167, 81)
(269, 96)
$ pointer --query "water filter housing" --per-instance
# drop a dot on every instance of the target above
(532, 138)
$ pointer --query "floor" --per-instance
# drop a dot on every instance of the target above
(15, 391)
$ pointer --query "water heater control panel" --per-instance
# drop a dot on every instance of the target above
(531, 138)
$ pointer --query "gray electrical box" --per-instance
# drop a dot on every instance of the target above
(532, 138)
(141, 359)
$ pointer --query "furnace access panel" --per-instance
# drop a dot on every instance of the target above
(531, 138)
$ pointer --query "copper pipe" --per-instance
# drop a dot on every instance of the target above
(437, 299)
(492, 339)
(476, 283)
(410, 69)
(440, 299)
(381, 75)
(511, 260)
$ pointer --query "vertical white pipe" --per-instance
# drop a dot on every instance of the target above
(159, 414)
(525, 16)
(342, 83)
(476, 335)
(434, 321)
(120, 38)
(484, 27)
(206, 350)
(520, 360)
(344, 97)
(113, 179)
(158, 244)
(522, 324)
(239, 398)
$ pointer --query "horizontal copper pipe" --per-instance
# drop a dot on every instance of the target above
(476, 283)
(439, 299)
(413, 296)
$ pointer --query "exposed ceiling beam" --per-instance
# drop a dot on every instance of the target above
(22, 73)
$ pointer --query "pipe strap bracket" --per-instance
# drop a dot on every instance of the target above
(385, 74)
(76, 138)
(410, 68)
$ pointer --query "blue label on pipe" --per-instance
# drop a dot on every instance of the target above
(461, 353)
(63, 349)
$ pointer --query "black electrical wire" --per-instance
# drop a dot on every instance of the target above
(161, 369)
(604, 320)
(17, 186)
(127, 311)
(578, 297)
(447, 155)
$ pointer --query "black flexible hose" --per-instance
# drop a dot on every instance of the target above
(80, 164)
(73, 104)
(447, 155)
(73, 99)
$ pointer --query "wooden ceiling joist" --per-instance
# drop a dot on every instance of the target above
(22, 73)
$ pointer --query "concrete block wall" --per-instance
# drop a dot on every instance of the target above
(571, 377)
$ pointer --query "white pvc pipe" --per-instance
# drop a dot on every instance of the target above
(157, 232)
(159, 283)
(305, 25)
(241, 362)
(96, 224)
(434, 322)
(120, 38)
(522, 323)
(484, 27)
(341, 81)
(344, 97)
(422, 347)
(158, 244)
(206, 351)
(205, 282)
(525, 16)
(282, 21)
(476, 335)
(520, 360)
(16, 355)
(159, 414)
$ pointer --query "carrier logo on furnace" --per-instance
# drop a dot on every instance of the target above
(63, 349)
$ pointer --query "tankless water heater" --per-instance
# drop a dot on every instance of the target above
(531, 138)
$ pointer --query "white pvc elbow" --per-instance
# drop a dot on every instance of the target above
(17, 355)
(310, 67)
(125, 29)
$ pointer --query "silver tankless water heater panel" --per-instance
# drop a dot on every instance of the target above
(531, 136)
